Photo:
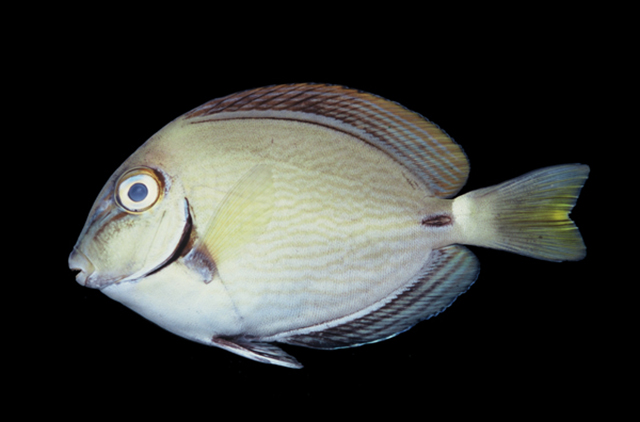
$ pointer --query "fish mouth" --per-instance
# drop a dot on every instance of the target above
(78, 261)
(87, 275)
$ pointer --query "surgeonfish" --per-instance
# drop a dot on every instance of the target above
(309, 215)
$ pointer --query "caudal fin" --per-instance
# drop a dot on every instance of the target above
(528, 215)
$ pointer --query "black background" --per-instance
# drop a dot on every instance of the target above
(515, 102)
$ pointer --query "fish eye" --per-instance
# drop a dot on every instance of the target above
(138, 190)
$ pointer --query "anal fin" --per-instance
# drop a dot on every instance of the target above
(448, 273)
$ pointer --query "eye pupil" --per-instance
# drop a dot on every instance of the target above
(138, 192)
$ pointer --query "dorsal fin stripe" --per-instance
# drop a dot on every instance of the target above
(406, 136)
(417, 135)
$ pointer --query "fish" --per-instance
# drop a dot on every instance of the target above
(309, 215)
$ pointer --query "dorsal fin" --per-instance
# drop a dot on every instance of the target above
(409, 138)
(448, 273)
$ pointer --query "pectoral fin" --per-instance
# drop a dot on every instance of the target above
(241, 218)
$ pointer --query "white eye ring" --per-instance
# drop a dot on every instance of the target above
(138, 190)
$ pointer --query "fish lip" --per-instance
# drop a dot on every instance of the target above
(80, 262)
(88, 275)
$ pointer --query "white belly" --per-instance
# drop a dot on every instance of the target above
(179, 301)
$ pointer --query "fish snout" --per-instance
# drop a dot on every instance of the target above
(78, 261)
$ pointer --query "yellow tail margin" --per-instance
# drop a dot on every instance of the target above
(528, 215)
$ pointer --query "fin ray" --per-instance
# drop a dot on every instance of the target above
(448, 273)
(241, 217)
(528, 215)
(409, 138)
(260, 352)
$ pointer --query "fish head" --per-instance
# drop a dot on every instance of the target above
(137, 225)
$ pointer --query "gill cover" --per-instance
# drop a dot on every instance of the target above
(134, 228)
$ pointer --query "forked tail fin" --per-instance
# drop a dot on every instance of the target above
(528, 215)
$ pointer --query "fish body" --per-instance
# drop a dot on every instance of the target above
(311, 215)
